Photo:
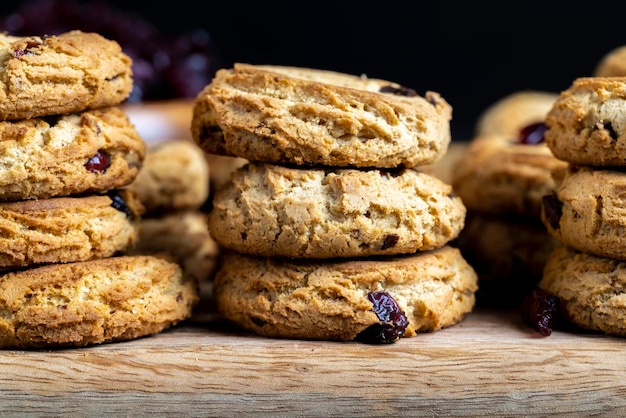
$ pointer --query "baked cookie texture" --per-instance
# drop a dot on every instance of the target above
(587, 125)
(67, 229)
(87, 152)
(68, 73)
(587, 210)
(302, 116)
(590, 289)
(327, 300)
(92, 302)
(274, 210)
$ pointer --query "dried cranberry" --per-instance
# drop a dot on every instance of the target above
(399, 91)
(99, 162)
(553, 210)
(533, 134)
(392, 319)
(119, 203)
(539, 310)
(29, 45)
(390, 241)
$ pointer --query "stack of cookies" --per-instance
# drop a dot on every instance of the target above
(330, 231)
(587, 211)
(67, 151)
(502, 177)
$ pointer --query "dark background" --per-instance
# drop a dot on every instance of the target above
(472, 55)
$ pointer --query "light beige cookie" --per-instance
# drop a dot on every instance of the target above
(373, 300)
(175, 176)
(587, 124)
(590, 289)
(66, 229)
(184, 235)
(275, 210)
(587, 212)
(93, 302)
(497, 175)
(68, 73)
(88, 152)
(613, 64)
(515, 112)
(307, 116)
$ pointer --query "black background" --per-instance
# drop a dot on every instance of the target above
(473, 55)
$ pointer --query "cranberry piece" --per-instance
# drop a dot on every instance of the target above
(119, 203)
(399, 91)
(533, 134)
(392, 319)
(539, 310)
(553, 210)
(99, 162)
(29, 45)
(390, 241)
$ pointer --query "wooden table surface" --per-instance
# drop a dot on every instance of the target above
(490, 363)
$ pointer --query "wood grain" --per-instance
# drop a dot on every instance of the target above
(488, 364)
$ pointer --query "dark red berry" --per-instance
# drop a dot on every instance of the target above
(553, 210)
(533, 134)
(390, 241)
(99, 162)
(118, 202)
(392, 319)
(540, 310)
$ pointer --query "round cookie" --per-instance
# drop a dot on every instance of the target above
(508, 254)
(66, 229)
(500, 174)
(93, 302)
(515, 112)
(174, 176)
(586, 211)
(338, 300)
(86, 152)
(591, 290)
(275, 210)
(587, 124)
(613, 64)
(68, 73)
(306, 116)
(184, 235)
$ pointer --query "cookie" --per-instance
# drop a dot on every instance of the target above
(341, 299)
(307, 116)
(275, 210)
(66, 229)
(590, 290)
(514, 112)
(92, 302)
(508, 253)
(501, 174)
(613, 64)
(87, 152)
(184, 235)
(587, 124)
(68, 73)
(586, 211)
(174, 176)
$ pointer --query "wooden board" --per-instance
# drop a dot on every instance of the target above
(490, 363)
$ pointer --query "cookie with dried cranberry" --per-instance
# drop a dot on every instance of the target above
(377, 300)
(502, 173)
(87, 152)
(275, 210)
(612, 64)
(66, 229)
(586, 211)
(308, 116)
(66, 73)
(174, 177)
(590, 290)
(93, 302)
(587, 124)
(521, 110)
